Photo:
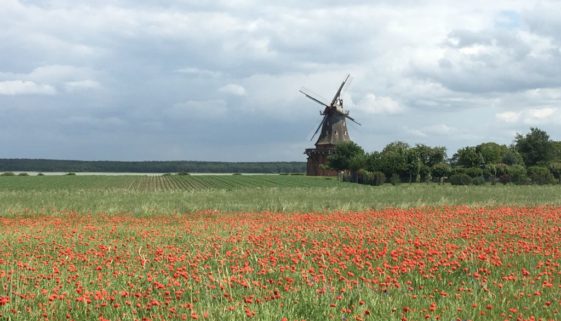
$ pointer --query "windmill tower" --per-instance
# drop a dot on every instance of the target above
(333, 131)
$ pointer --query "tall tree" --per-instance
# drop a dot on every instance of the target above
(535, 147)
(468, 157)
(347, 156)
(394, 159)
(492, 153)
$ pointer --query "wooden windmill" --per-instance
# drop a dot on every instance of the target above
(333, 131)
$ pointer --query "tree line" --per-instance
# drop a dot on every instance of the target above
(532, 158)
(49, 165)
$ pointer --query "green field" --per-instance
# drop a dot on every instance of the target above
(145, 195)
(275, 247)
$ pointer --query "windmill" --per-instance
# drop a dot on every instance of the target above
(333, 128)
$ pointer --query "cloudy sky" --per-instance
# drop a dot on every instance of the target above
(219, 80)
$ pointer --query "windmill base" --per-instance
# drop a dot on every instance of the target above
(317, 162)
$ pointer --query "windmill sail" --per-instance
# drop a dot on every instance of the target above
(333, 125)
(332, 129)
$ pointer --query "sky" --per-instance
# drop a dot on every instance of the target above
(218, 80)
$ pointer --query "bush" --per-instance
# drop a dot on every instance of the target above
(363, 176)
(8, 174)
(70, 174)
(23, 174)
(183, 174)
(479, 180)
(441, 170)
(40, 174)
(378, 178)
(473, 172)
(395, 179)
(555, 169)
(371, 178)
(518, 175)
(540, 175)
(460, 179)
(505, 179)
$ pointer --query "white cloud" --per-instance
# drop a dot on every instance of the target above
(25, 87)
(533, 116)
(371, 104)
(474, 67)
(198, 72)
(233, 89)
(207, 109)
(59, 73)
(80, 85)
(509, 116)
(541, 114)
(433, 130)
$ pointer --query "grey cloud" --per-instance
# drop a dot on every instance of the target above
(494, 61)
(148, 80)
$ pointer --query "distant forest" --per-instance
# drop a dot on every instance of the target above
(50, 165)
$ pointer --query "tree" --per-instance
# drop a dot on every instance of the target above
(535, 147)
(374, 162)
(512, 157)
(421, 159)
(441, 170)
(555, 169)
(556, 150)
(347, 156)
(492, 153)
(393, 159)
(468, 157)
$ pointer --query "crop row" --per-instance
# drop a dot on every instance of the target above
(228, 182)
(162, 182)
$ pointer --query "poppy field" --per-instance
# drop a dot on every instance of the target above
(429, 263)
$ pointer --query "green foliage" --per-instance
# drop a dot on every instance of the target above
(378, 178)
(535, 147)
(371, 178)
(8, 174)
(468, 157)
(441, 170)
(347, 156)
(479, 180)
(394, 160)
(40, 174)
(516, 174)
(183, 174)
(70, 174)
(491, 153)
(555, 169)
(512, 157)
(395, 179)
(23, 174)
(473, 172)
(540, 175)
(556, 150)
(460, 179)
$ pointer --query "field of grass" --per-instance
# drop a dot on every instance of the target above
(449, 263)
(273, 247)
(147, 195)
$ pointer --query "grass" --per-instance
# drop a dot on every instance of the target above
(179, 194)
(275, 248)
(429, 264)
